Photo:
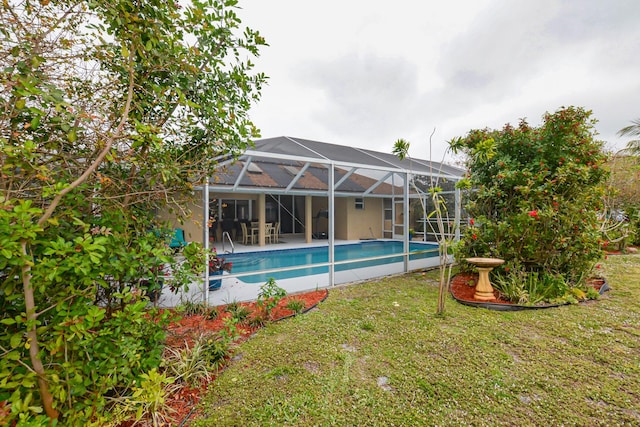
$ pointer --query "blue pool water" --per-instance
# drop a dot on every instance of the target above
(308, 258)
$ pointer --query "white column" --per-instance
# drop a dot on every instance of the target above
(458, 214)
(406, 221)
(262, 218)
(205, 238)
(331, 218)
(308, 219)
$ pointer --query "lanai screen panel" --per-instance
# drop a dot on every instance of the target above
(294, 165)
(285, 146)
(343, 154)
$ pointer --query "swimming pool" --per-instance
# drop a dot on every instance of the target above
(252, 267)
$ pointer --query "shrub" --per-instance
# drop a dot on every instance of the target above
(296, 305)
(211, 313)
(269, 296)
(88, 163)
(257, 319)
(190, 308)
(592, 293)
(531, 287)
(187, 363)
(232, 306)
(219, 347)
(240, 313)
(147, 400)
(537, 192)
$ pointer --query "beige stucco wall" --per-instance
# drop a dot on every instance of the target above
(361, 223)
(192, 225)
(352, 223)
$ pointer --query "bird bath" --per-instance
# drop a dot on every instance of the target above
(484, 290)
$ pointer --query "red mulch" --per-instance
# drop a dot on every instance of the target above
(463, 286)
(183, 331)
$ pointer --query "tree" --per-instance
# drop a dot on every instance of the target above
(623, 193)
(621, 216)
(537, 193)
(633, 146)
(441, 231)
(109, 111)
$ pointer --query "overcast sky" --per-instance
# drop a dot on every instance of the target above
(367, 72)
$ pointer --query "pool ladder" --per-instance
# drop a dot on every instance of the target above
(233, 248)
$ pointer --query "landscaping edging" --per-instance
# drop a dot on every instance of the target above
(505, 307)
(604, 287)
(305, 310)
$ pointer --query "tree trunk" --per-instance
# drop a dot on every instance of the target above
(32, 339)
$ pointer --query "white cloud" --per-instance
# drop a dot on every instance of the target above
(364, 73)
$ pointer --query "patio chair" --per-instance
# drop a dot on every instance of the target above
(177, 241)
(268, 233)
(246, 235)
(275, 232)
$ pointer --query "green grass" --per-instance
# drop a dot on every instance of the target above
(375, 354)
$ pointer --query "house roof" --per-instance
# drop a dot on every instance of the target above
(300, 166)
(323, 151)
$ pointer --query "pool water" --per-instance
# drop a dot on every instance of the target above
(307, 259)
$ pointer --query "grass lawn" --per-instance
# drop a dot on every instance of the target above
(376, 354)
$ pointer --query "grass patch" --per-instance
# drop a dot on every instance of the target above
(376, 352)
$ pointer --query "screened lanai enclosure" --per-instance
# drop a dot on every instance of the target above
(323, 214)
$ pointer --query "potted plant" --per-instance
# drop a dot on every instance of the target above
(412, 233)
(217, 266)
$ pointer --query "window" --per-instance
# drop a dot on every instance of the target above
(359, 203)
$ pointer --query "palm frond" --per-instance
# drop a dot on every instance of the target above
(631, 130)
(632, 148)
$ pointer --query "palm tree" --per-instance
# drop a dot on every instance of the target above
(633, 146)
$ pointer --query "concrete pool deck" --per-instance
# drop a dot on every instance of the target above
(234, 289)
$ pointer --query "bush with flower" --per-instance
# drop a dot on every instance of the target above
(536, 195)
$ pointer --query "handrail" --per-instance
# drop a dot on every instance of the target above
(226, 233)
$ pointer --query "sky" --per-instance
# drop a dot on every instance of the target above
(365, 73)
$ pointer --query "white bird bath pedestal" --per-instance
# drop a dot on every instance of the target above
(484, 290)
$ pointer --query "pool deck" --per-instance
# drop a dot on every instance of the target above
(235, 290)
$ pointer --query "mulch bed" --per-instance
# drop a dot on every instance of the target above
(462, 288)
(182, 332)
(183, 404)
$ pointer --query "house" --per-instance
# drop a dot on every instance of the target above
(319, 190)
